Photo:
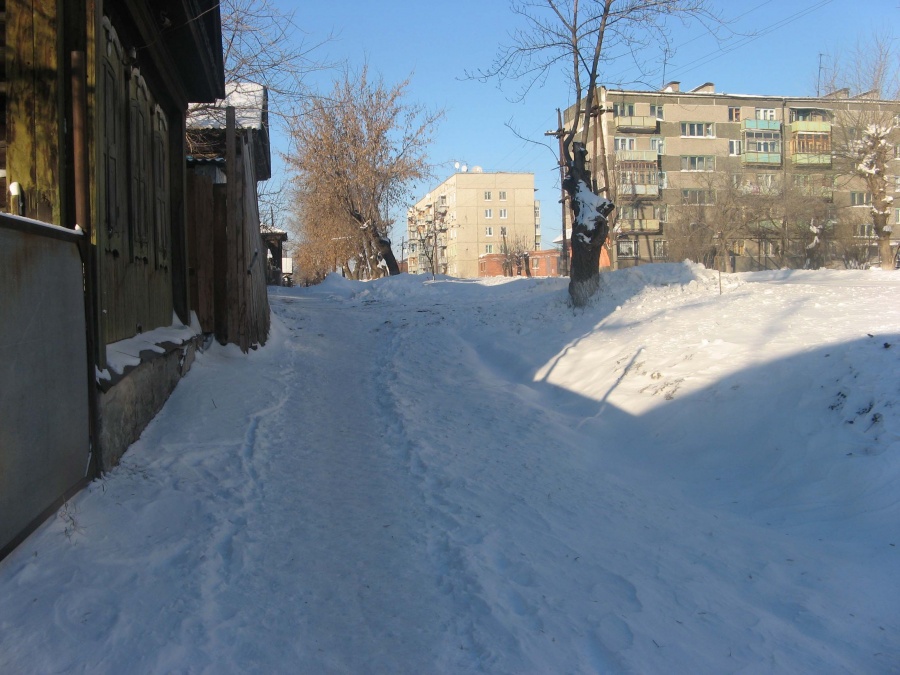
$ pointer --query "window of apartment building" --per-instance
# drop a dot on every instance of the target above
(698, 163)
(860, 199)
(412, 247)
(487, 195)
(623, 143)
(488, 248)
(503, 213)
(698, 129)
(697, 196)
(808, 115)
(627, 248)
(819, 144)
(896, 216)
(489, 232)
(502, 195)
(895, 180)
(627, 212)
(660, 249)
(734, 114)
(765, 113)
(897, 151)
(734, 147)
(442, 200)
(766, 180)
(503, 231)
(537, 212)
(656, 111)
(661, 212)
(737, 180)
(489, 213)
(623, 109)
(657, 144)
(663, 180)
(866, 230)
(763, 141)
(535, 264)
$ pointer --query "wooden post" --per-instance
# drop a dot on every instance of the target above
(231, 228)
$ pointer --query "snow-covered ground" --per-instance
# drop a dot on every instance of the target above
(469, 476)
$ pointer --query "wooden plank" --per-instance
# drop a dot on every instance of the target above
(232, 239)
(220, 262)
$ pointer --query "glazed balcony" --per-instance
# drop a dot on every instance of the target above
(636, 123)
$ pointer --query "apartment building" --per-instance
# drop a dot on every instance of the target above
(472, 214)
(745, 181)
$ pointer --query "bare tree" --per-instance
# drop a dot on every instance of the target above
(579, 36)
(359, 151)
(866, 127)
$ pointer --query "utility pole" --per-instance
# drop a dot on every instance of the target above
(559, 134)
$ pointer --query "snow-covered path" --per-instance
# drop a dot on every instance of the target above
(450, 477)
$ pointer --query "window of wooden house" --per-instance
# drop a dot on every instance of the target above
(113, 142)
(161, 213)
(139, 165)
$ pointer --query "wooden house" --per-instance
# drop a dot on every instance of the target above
(229, 154)
(93, 241)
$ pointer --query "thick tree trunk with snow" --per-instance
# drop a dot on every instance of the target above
(383, 246)
(883, 230)
(589, 231)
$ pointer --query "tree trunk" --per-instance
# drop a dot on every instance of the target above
(383, 245)
(589, 230)
(880, 221)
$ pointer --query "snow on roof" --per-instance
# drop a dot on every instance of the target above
(250, 103)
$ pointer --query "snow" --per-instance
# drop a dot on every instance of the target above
(469, 476)
(248, 99)
(592, 206)
(127, 353)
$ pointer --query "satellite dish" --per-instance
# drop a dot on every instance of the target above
(464, 168)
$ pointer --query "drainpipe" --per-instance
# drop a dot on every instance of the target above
(88, 249)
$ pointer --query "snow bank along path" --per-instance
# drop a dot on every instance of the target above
(469, 477)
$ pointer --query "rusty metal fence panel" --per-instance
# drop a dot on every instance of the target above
(44, 413)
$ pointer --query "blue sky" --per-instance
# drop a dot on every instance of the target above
(436, 43)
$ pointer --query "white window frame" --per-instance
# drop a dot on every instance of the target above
(734, 113)
(735, 147)
(698, 163)
(698, 130)
(860, 199)
(623, 109)
(487, 195)
(503, 214)
(619, 143)
(488, 214)
(656, 110)
(502, 195)
(489, 231)
(765, 114)
(660, 243)
(488, 249)
(624, 244)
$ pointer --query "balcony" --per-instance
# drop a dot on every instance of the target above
(643, 225)
(651, 189)
(650, 156)
(811, 127)
(636, 123)
(811, 143)
(770, 158)
(761, 125)
(811, 158)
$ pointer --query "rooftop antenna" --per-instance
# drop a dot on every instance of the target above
(819, 79)
(461, 167)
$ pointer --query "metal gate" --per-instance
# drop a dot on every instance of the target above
(44, 407)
